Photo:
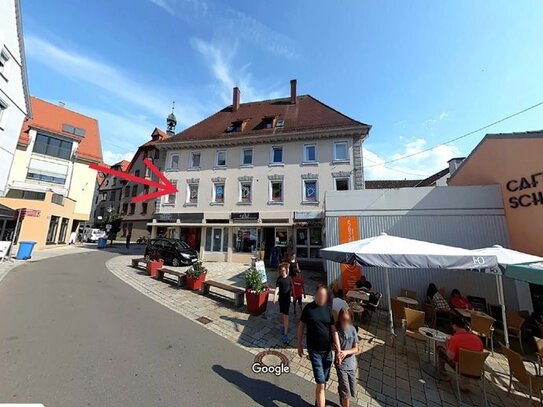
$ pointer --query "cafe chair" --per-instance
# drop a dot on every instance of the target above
(430, 314)
(515, 325)
(404, 292)
(539, 354)
(471, 365)
(483, 326)
(372, 306)
(517, 370)
(397, 307)
(413, 321)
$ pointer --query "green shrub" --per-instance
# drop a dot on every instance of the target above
(253, 281)
(196, 270)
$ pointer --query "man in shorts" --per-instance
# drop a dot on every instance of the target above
(317, 316)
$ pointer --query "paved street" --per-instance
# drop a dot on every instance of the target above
(73, 334)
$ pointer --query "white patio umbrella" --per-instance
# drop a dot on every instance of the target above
(397, 252)
(506, 258)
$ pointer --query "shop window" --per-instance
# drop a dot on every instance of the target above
(195, 160)
(221, 159)
(276, 155)
(244, 240)
(192, 194)
(310, 153)
(63, 230)
(281, 237)
(341, 152)
(125, 208)
(276, 191)
(342, 184)
(132, 209)
(245, 191)
(216, 240)
(247, 156)
(170, 199)
(218, 192)
(124, 229)
(308, 242)
(52, 232)
(310, 191)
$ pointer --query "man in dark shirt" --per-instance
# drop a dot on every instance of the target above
(317, 316)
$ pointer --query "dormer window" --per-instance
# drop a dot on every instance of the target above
(268, 122)
(235, 126)
(68, 128)
(280, 124)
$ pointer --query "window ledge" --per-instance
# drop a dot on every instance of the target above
(244, 203)
(341, 161)
(275, 203)
(311, 203)
(216, 203)
(171, 169)
(219, 167)
(276, 164)
(193, 169)
(310, 163)
(168, 204)
(190, 204)
(246, 166)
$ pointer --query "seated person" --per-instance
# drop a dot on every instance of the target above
(337, 301)
(363, 284)
(462, 339)
(457, 301)
(436, 299)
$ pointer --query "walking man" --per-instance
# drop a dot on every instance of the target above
(128, 237)
(317, 316)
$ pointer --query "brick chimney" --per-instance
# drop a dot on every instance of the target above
(293, 91)
(235, 99)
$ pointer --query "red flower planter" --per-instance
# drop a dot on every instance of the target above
(195, 284)
(153, 266)
(256, 303)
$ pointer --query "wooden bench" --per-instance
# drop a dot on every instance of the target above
(136, 262)
(239, 294)
(181, 277)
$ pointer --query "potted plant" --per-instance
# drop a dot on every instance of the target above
(261, 251)
(256, 292)
(154, 264)
(196, 275)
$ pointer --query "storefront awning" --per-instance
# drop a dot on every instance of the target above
(7, 213)
(224, 225)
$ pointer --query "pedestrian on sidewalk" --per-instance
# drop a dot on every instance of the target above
(346, 363)
(128, 237)
(321, 334)
(293, 266)
(283, 291)
(73, 237)
(299, 290)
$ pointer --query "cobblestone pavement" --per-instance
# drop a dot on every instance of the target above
(389, 373)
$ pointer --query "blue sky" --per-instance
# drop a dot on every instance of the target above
(419, 72)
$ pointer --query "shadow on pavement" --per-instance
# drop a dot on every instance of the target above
(262, 392)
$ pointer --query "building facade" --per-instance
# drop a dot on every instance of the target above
(137, 215)
(50, 172)
(107, 200)
(252, 177)
(14, 96)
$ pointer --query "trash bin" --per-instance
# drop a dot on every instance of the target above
(25, 250)
(102, 242)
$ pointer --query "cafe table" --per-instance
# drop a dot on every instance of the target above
(410, 302)
(434, 336)
(358, 295)
(467, 313)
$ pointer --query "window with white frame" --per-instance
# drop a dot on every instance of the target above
(245, 191)
(276, 155)
(311, 193)
(170, 199)
(195, 159)
(221, 158)
(341, 151)
(3, 109)
(276, 191)
(192, 193)
(174, 162)
(4, 58)
(246, 156)
(342, 184)
(218, 192)
(310, 153)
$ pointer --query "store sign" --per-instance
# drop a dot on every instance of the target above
(349, 232)
(244, 216)
(196, 217)
(307, 215)
(261, 268)
(523, 188)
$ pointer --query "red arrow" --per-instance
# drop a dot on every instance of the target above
(164, 188)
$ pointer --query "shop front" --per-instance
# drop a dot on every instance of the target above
(308, 237)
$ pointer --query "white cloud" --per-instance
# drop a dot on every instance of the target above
(421, 165)
(111, 157)
(154, 100)
(220, 62)
(227, 22)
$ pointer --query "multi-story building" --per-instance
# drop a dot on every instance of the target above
(50, 174)
(14, 97)
(253, 176)
(136, 216)
(107, 202)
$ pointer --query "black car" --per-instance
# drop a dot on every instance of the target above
(173, 251)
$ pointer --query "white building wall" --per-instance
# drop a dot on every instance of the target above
(13, 92)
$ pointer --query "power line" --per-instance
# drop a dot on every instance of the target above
(456, 138)
(395, 169)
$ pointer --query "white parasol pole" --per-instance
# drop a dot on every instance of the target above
(501, 298)
(391, 320)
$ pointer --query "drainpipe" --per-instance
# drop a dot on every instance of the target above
(358, 170)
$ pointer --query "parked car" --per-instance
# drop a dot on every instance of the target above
(173, 251)
(92, 235)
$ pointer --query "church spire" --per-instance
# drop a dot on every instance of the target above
(171, 122)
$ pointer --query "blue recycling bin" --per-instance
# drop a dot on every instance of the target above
(102, 242)
(25, 250)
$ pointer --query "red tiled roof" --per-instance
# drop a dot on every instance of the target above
(306, 114)
(50, 117)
